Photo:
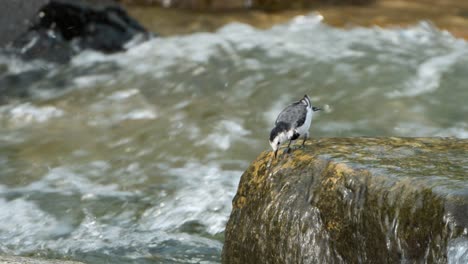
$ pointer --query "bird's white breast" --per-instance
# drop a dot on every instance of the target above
(304, 129)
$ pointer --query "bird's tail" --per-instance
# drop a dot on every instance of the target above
(306, 100)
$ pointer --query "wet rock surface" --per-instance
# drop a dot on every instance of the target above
(354, 200)
(55, 30)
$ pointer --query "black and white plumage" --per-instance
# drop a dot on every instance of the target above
(292, 123)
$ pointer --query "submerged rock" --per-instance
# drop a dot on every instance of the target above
(57, 29)
(354, 200)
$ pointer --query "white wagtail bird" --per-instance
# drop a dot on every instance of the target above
(292, 123)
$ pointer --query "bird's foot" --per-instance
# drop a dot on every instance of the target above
(286, 152)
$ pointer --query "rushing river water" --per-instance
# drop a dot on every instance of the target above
(135, 157)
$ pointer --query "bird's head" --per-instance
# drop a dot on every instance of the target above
(278, 135)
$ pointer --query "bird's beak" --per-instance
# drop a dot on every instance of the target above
(276, 152)
(315, 109)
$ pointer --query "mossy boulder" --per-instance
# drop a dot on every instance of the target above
(354, 200)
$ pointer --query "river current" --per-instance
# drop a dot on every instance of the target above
(135, 157)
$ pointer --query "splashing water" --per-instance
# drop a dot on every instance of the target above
(135, 157)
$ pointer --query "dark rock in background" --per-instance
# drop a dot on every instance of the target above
(55, 30)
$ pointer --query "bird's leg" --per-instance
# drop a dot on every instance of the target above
(288, 149)
(306, 136)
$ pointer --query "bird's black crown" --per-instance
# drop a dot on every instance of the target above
(280, 127)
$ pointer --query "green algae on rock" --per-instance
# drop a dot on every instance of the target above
(353, 200)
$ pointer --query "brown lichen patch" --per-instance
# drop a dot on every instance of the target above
(260, 168)
(240, 202)
(255, 175)
(332, 180)
(296, 159)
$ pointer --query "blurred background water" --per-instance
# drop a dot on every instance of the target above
(135, 157)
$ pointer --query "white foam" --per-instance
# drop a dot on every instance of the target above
(119, 106)
(429, 75)
(64, 180)
(139, 114)
(27, 113)
(91, 80)
(23, 222)
(225, 132)
(204, 196)
(457, 251)
(459, 130)
(16, 66)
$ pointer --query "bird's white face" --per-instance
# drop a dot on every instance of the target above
(275, 144)
(278, 140)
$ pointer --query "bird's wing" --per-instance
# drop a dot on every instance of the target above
(295, 114)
